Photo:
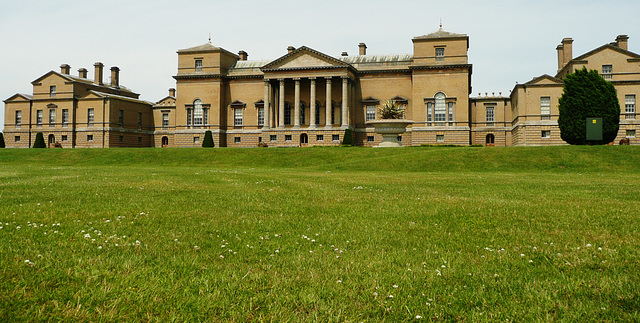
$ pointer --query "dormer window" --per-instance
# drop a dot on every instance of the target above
(52, 91)
(439, 53)
(199, 65)
(606, 71)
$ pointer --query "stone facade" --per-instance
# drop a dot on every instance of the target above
(308, 98)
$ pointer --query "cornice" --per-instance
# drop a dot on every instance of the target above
(197, 76)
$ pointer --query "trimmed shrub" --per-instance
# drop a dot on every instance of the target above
(1, 140)
(208, 140)
(347, 140)
(39, 143)
(586, 94)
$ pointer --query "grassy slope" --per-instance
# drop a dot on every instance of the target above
(452, 233)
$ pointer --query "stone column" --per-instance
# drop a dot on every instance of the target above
(345, 102)
(281, 105)
(296, 114)
(327, 118)
(267, 106)
(312, 104)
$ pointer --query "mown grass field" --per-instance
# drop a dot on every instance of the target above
(320, 234)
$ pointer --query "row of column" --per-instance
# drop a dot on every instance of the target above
(296, 123)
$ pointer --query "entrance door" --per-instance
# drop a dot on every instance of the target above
(165, 142)
(490, 141)
(304, 140)
(51, 140)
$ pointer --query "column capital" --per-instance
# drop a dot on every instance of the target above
(313, 78)
(297, 79)
(281, 79)
(328, 78)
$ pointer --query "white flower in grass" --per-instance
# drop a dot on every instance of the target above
(99, 247)
(221, 257)
(438, 273)
(395, 286)
(443, 266)
(530, 261)
(28, 263)
(390, 296)
(521, 255)
(588, 245)
(339, 281)
(418, 317)
(137, 242)
(196, 247)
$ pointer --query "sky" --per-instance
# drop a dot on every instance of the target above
(510, 41)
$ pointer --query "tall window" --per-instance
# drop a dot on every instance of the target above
(450, 104)
(630, 106)
(606, 71)
(139, 119)
(439, 53)
(261, 116)
(545, 107)
(440, 108)
(333, 113)
(90, 113)
(165, 120)
(303, 112)
(237, 117)
(52, 91)
(65, 117)
(197, 113)
(371, 112)
(18, 119)
(189, 116)
(317, 113)
(121, 118)
(287, 113)
(198, 65)
(490, 114)
(429, 111)
(39, 117)
(52, 118)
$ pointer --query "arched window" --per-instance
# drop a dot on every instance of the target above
(440, 111)
(198, 113)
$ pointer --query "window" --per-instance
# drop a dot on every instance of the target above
(65, 117)
(259, 139)
(189, 116)
(287, 137)
(606, 71)
(490, 114)
(139, 119)
(317, 113)
(121, 118)
(64, 137)
(439, 53)
(139, 140)
(440, 108)
(52, 91)
(261, 116)
(52, 118)
(198, 65)
(39, 117)
(333, 114)
(17, 139)
(546, 134)
(370, 112)
(273, 137)
(319, 137)
(429, 111)
(196, 139)
(236, 140)
(335, 137)
(18, 119)
(121, 138)
(545, 107)
(630, 106)
(631, 133)
(198, 113)
(237, 117)
(399, 138)
(303, 112)
(165, 120)
(450, 104)
(90, 113)
(370, 139)
(439, 138)
(89, 137)
(287, 113)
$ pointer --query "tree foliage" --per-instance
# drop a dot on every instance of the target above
(208, 140)
(347, 140)
(586, 94)
(39, 143)
(1, 140)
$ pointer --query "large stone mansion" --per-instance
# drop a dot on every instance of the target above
(308, 98)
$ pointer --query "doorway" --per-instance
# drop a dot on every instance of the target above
(490, 140)
(51, 140)
(304, 140)
(165, 142)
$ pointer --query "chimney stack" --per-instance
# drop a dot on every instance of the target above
(622, 41)
(567, 44)
(344, 54)
(290, 49)
(172, 92)
(98, 73)
(363, 48)
(560, 50)
(65, 68)
(243, 55)
(82, 73)
(115, 77)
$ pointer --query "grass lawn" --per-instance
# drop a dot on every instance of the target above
(320, 234)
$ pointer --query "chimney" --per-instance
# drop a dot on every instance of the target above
(567, 44)
(363, 48)
(243, 55)
(65, 68)
(115, 77)
(560, 50)
(622, 41)
(82, 73)
(290, 49)
(344, 54)
(98, 73)
(172, 92)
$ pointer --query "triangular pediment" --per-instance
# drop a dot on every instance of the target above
(305, 58)
(607, 48)
(544, 79)
(19, 97)
(52, 74)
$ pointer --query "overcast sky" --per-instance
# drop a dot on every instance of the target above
(510, 41)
